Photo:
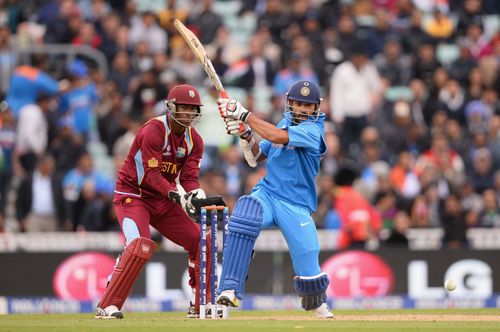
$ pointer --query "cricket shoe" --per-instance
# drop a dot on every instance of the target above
(228, 298)
(323, 312)
(193, 313)
(110, 312)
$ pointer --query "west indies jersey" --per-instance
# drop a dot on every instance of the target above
(157, 158)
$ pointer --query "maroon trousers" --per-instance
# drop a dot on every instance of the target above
(172, 222)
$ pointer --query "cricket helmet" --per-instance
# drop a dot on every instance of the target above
(184, 94)
(305, 92)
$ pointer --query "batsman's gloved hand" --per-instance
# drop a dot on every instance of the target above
(237, 128)
(232, 109)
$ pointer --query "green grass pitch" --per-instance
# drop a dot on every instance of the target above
(242, 321)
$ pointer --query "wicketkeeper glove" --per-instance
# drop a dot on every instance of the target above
(232, 109)
(192, 205)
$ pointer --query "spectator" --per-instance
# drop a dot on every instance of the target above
(392, 64)
(86, 191)
(7, 140)
(147, 30)
(360, 222)
(87, 36)
(206, 22)
(440, 27)
(419, 212)
(425, 64)
(453, 96)
(397, 130)
(32, 133)
(295, 70)
(274, 19)
(470, 12)
(36, 199)
(122, 73)
(441, 157)
(354, 93)
(187, 68)
(461, 67)
(476, 42)
(453, 219)
(8, 58)
(482, 175)
(490, 215)
(147, 95)
(28, 82)
(258, 71)
(77, 104)
(403, 179)
(397, 234)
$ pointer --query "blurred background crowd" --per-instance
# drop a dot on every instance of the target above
(410, 90)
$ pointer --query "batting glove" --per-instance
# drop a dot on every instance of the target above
(237, 128)
(232, 109)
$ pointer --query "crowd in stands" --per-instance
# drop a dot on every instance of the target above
(411, 93)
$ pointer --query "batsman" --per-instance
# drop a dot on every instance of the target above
(285, 198)
(158, 185)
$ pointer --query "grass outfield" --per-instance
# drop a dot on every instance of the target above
(241, 321)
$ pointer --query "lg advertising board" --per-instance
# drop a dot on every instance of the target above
(354, 274)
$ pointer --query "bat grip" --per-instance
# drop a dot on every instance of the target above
(224, 94)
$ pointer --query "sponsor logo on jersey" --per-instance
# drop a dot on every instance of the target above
(181, 152)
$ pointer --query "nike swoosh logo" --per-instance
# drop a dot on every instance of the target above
(303, 224)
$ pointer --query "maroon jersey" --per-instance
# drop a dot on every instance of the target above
(157, 158)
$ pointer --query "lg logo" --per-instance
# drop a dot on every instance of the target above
(83, 276)
(473, 278)
(358, 274)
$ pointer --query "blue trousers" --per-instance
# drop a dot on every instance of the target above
(298, 229)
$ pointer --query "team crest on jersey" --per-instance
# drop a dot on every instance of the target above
(153, 162)
(305, 91)
(191, 93)
(181, 152)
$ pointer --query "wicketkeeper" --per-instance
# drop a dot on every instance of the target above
(165, 154)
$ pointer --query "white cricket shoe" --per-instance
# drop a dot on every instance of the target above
(322, 312)
(110, 312)
(228, 298)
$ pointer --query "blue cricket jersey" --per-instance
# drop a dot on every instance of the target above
(292, 168)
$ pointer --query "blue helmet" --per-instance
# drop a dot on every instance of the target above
(305, 92)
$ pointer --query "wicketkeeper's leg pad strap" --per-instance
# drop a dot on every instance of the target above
(312, 290)
(126, 271)
(244, 228)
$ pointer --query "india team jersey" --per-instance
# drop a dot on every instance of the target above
(157, 158)
(291, 168)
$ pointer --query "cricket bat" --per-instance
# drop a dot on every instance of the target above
(200, 53)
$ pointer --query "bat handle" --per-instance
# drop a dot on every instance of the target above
(224, 94)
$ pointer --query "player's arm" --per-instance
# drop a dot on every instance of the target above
(249, 145)
(267, 131)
